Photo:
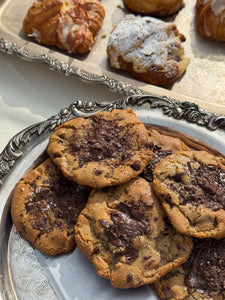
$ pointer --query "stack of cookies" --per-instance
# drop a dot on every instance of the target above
(141, 206)
(191, 188)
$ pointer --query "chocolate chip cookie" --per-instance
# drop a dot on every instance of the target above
(124, 232)
(108, 148)
(201, 277)
(163, 145)
(45, 206)
(191, 187)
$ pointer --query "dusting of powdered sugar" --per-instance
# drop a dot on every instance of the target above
(144, 41)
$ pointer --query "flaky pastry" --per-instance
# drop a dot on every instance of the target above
(210, 19)
(67, 24)
(160, 8)
(149, 49)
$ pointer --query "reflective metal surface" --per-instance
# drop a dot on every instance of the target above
(203, 79)
(21, 275)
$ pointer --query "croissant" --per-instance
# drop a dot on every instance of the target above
(210, 19)
(70, 25)
(160, 8)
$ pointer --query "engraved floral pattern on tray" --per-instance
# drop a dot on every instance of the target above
(27, 270)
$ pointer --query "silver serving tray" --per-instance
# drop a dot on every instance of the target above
(25, 273)
(202, 82)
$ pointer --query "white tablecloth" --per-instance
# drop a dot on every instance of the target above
(30, 92)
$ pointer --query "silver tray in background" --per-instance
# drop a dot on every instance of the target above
(202, 82)
(27, 274)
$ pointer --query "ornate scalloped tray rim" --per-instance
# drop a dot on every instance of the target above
(165, 110)
(120, 85)
(197, 85)
(188, 111)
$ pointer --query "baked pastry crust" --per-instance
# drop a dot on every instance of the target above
(149, 49)
(210, 19)
(70, 25)
(159, 8)
(123, 231)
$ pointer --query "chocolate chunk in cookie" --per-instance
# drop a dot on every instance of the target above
(124, 232)
(108, 148)
(191, 187)
(163, 145)
(201, 277)
(45, 206)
